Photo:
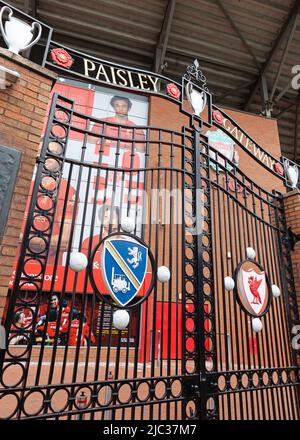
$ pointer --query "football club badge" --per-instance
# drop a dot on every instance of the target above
(124, 266)
(252, 288)
(221, 142)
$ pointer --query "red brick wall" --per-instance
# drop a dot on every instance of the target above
(22, 112)
(292, 212)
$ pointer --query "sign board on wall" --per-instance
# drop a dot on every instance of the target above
(9, 165)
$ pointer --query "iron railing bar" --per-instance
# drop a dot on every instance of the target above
(170, 286)
(53, 277)
(243, 207)
(238, 229)
(120, 169)
(144, 307)
(156, 255)
(227, 298)
(269, 316)
(103, 409)
(116, 166)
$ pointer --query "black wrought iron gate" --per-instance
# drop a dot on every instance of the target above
(189, 351)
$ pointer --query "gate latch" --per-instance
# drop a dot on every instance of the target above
(191, 386)
(291, 239)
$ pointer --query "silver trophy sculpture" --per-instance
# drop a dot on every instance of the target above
(196, 98)
(17, 33)
(292, 173)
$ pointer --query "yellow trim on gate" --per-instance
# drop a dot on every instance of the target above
(114, 253)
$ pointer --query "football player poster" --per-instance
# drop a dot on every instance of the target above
(91, 194)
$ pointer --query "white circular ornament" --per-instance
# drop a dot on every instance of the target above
(163, 274)
(275, 291)
(127, 224)
(78, 261)
(256, 325)
(121, 319)
(250, 252)
(229, 283)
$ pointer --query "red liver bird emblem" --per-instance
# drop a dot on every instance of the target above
(252, 287)
(254, 284)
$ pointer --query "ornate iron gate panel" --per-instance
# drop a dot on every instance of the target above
(189, 351)
(57, 366)
(247, 375)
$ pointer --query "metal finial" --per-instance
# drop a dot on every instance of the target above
(193, 72)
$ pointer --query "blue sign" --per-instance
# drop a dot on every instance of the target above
(124, 268)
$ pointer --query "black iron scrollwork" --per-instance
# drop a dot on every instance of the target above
(195, 74)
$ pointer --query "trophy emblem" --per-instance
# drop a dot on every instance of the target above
(292, 173)
(197, 99)
(17, 33)
(197, 94)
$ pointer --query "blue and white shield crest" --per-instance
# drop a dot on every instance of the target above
(124, 268)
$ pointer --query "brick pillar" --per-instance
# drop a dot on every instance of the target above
(22, 113)
(292, 213)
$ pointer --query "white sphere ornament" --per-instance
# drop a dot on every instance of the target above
(78, 261)
(128, 224)
(250, 252)
(163, 274)
(121, 319)
(275, 291)
(256, 325)
(229, 283)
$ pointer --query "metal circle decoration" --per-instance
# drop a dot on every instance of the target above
(16, 351)
(252, 288)
(62, 115)
(105, 395)
(143, 391)
(13, 374)
(176, 388)
(125, 393)
(32, 267)
(48, 183)
(33, 402)
(59, 131)
(160, 389)
(52, 165)
(59, 399)
(123, 260)
(83, 397)
(41, 223)
(56, 147)
(9, 405)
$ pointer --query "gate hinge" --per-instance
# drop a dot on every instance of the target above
(291, 239)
